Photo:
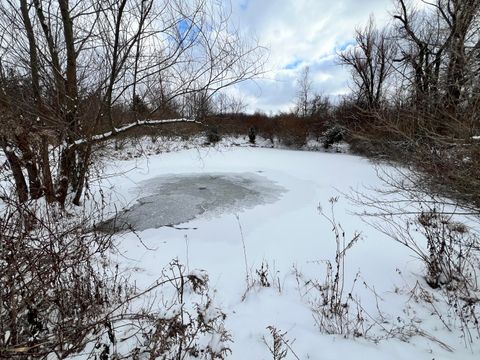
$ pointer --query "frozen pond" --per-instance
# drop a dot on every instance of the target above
(175, 199)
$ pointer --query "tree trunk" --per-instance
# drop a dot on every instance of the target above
(34, 65)
(56, 68)
(71, 72)
(35, 185)
(83, 174)
(68, 165)
(15, 165)
(46, 172)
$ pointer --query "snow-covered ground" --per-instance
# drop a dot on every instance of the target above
(290, 236)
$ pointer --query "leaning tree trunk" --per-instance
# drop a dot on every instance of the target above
(16, 167)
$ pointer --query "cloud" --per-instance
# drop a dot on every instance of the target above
(301, 33)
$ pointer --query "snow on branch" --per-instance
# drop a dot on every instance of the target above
(108, 134)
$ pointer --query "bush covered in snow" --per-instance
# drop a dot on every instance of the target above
(333, 135)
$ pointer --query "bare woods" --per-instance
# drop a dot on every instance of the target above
(73, 73)
(70, 70)
(416, 91)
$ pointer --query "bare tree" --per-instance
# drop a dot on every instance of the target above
(432, 122)
(304, 92)
(370, 64)
(462, 42)
(229, 104)
(437, 46)
(83, 58)
(421, 51)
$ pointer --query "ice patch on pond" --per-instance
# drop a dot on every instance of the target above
(175, 199)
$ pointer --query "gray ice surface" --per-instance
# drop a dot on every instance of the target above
(175, 199)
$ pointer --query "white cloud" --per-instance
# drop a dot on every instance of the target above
(301, 33)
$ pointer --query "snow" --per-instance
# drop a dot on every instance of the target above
(260, 214)
(124, 128)
(290, 238)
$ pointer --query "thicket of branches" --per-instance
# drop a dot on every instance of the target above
(416, 92)
(61, 296)
(69, 69)
(72, 73)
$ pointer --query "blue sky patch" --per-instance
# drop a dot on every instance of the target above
(244, 4)
(293, 65)
(345, 45)
(183, 26)
(187, 31)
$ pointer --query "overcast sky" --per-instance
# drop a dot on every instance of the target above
(301, 33)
